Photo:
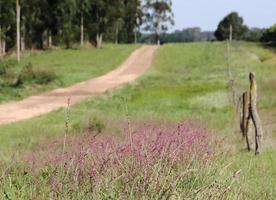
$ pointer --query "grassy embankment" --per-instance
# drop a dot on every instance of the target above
(186, 81)
(58, 68)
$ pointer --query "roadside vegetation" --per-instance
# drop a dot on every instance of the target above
(172, 134)
(46, 70)
(187, 82)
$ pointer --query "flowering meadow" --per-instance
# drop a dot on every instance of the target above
(147, 163)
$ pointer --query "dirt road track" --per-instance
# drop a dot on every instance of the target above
(138, 62)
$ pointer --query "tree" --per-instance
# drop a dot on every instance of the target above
(132, 20)
(18, 30)
(239, 29)
(269, 35)
(97, 25)
(158, 17)
(65, 12)
(103, 14)
(7, 24)
(126, 19)
(34, 23)
(51, 20)
(254, 34)
(82, 12)
(115, 16)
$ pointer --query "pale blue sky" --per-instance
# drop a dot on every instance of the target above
(207, 13)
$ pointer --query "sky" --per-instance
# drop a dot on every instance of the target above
(206, 14)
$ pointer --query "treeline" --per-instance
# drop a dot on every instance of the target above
(197, 35)
(269, 35)
(45, 23)
(186, 35)
(233, 26)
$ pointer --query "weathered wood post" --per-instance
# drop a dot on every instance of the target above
(246, 118)
(249, 113)
(230, 32)
(231, 81)
(254, 112)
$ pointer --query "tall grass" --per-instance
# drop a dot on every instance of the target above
(172, 162)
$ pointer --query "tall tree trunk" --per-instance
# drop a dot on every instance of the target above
(3, 47)
(50, 41)
(18, 30)
(158, 31)
(22, 37)
(0, 41)
(158, 39)
(82, 30)
(135, 37)
(116, 34)
(99, 40)
(22, 43)
(41, 41)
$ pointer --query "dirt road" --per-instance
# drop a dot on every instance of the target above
(138, 62)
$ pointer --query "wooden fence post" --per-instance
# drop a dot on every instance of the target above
(249, 113)
(254, 113)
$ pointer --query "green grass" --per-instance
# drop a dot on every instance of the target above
(69, 66)
(186, 81)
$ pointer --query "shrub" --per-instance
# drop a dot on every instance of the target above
(95, 125)
(43, 77)
(90, 125)
(5, 64)
(29, 74)
(9, 79)
(2, 68)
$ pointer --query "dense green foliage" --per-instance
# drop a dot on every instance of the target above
(7, 21)
(233, 19)
(63, 22)
(254, 34)
(270, 34)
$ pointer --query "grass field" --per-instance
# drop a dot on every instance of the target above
(187, 81)
(67, 66)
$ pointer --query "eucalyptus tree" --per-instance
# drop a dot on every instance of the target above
(18, 30)
(82, 17)
(34, 18)
(102, 15)
(158, 17)
(65, 12)
(30, 23)
(51, 20)
(116, 13)
(132, 20)
(7, 23)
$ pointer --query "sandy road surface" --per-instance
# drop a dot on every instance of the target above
(138, 62)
